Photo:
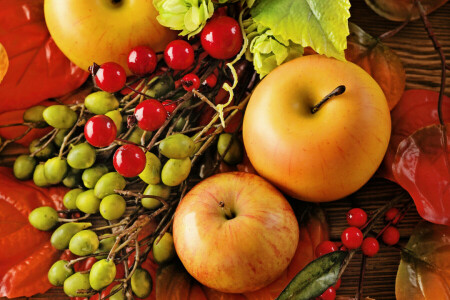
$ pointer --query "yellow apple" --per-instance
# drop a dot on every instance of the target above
(235, 232)
(321, 156)
(99, 31)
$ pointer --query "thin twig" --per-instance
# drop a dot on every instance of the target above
(52, 137)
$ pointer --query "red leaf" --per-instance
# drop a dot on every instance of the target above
(422, 167)
(416, 109)
(37, 68)
(23, 271)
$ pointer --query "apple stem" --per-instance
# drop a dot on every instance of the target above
(226, 210)
(336, 92)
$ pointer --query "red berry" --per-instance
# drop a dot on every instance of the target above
(329, 294)
(142, 60)
(356, 217)
(391, 214)
(370, 246)
(110, 77)
(129, 160)
(352, 238)
(177, 83)
(337, 285)
(169, 105)
(179, 55)
(391, 236)
(190, 82)
(222, 37)
(325, 248)
(150, 114)
(100, 131)
(211, 80)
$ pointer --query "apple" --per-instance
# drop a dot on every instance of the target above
(235, 232)
(320, 156)
(100, 31)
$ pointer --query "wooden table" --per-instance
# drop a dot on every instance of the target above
(422, 71)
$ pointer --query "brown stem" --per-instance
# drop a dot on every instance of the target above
(52, 137)
(16, 124)
(336, 92)
(69, 134)
(226, 210)
(361, 278)
(74, 220)
(438, 48)
(393, 32)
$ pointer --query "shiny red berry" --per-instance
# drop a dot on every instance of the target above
(129, 160)
(325, 247)
(100, 131)
(190, 82)
(370, 246)
(329, 294)
(150, 114)
(142, 60)
(391, 236)
(211, 80)
(222, 37)
(110, 77)
(356, 217)
(179, 55)
(391, 214)
(352, 238)
(169, 105)
(338, 284)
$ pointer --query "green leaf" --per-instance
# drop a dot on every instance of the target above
(321, 25)
(315, 278)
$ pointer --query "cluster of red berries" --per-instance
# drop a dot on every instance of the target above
(353, 238)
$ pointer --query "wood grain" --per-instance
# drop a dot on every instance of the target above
(422, 72)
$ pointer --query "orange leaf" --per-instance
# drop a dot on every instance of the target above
(379, 61)
(424, 271)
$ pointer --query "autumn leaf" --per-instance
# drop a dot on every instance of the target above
(422, 167)
(416, 109)
(379, 61)
(424, 271)
(37, 68)
(23, 272)
(402, 10)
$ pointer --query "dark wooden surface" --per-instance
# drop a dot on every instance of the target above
(422, 71)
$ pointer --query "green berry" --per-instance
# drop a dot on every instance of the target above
(43, 218)
(235, 151)
(112, 207)
(159, 190)
(34, 115)
(175, 171)
(72, 179)
(84, 243)
(63, 234)
(76, 282)
(176, 146)
(39, 178)
(87, 202)
(152, 171)
(81, 156)
(55, 169)
(92, 175)
(136, 135)
(116, 116)
(164, 250)
(105, 246)
(59, 272)
(141, 283)
(108, 183)
(102, 274)
(70, 198)
(24, 167)
(60, 116)
(43, 154)
(101, 102)
(59, 137)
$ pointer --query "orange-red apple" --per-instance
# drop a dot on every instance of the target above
(99, 31)
(321, 156)
(235, 232)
